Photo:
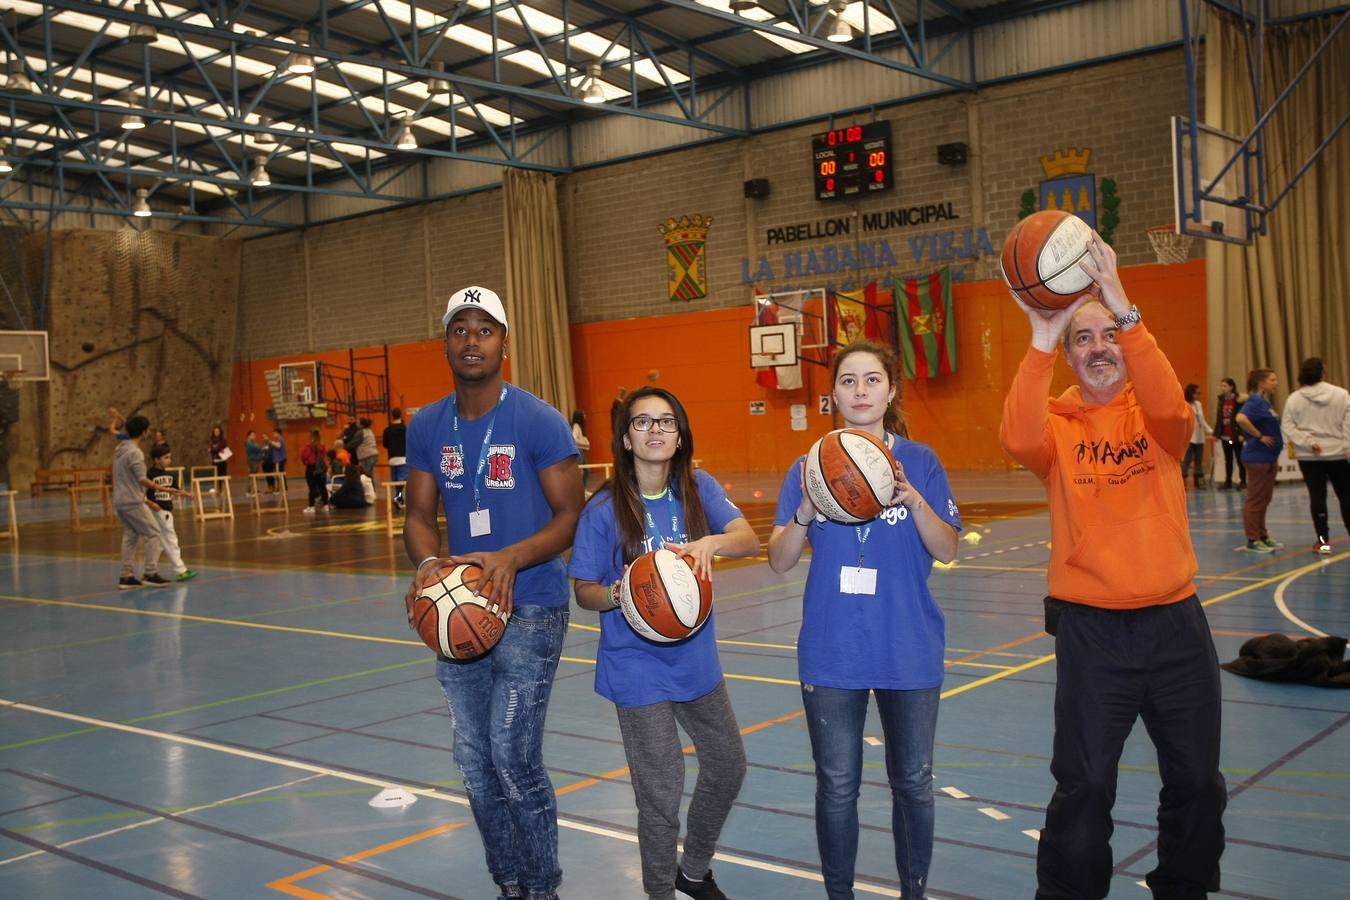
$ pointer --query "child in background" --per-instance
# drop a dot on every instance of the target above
(161, 496)
(1195, 453)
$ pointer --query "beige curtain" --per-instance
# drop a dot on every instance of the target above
(536, 289)
(1286, 297)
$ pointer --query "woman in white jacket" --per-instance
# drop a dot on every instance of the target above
(1316, 423)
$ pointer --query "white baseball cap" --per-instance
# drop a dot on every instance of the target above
(476, 298)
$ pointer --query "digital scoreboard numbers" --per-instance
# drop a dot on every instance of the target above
(852, 162)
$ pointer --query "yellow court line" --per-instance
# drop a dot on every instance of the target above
(1236, 592)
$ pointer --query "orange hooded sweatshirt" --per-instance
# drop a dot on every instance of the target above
(1120, 538)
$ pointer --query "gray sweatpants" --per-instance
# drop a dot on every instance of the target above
(656, 760)
(139, 523)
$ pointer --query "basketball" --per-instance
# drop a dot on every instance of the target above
(1040, 259)
(446, 615)
(850, 476)
(662, 599)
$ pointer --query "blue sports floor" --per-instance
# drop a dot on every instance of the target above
(223, 738)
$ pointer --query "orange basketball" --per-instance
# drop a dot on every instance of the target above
(448, 617)
(850, 475)
(1040, 259)
(662, 599)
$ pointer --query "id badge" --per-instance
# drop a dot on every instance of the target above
(855, 580)
(480, 523)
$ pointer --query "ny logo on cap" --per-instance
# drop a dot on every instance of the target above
(472, 296)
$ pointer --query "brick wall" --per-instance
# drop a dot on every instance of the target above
(610, 215)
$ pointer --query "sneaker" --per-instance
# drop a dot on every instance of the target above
(187, 575)
(1272, 543)
(127, 583)
(1226, 487)
(309, 510)
(156, 580)
(706, 889)
(1259, 547)
(1323, 546)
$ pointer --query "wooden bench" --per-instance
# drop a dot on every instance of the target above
(45, 480)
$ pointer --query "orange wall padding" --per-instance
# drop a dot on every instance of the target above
(703, 357)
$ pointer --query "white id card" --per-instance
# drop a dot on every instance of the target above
(855, 580)
(480, 523)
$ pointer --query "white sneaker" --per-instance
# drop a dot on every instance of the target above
(1323, 547)
(309, 510)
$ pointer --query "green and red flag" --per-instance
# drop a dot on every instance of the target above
(926, 324)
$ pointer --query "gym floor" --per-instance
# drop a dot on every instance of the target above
(224, 737)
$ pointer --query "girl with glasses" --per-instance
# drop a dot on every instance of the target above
(657, 499)
(870, 625)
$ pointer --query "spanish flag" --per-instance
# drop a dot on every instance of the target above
(926, 325)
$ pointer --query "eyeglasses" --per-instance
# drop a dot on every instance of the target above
(645, 423)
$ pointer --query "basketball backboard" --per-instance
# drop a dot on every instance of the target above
(773, 345)
(23, 356)
(1216, 184)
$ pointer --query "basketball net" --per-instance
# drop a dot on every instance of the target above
(1169, 246)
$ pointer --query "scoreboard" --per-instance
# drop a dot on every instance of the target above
(852, 162)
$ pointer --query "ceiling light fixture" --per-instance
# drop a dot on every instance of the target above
(263, 139)
(5, 166)
(17, 80)
(141, 209)
(840, 32)
(299, 61)
(739, 6)
(259, 177)
(403, 136)
(132, 120)
(142, 32)
(438, 85)
(592, 92)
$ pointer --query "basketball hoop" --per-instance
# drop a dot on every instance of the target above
(1169, 246)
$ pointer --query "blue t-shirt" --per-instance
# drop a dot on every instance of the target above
(891, 640)
(527, 437)
(630, 670)
(1258, 409)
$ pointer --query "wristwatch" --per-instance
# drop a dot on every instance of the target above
(1129, 320)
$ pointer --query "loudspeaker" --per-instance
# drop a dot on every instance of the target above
(757, 188)
(952, 154)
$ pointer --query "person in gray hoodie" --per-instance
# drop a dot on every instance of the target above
(129, 484)
(1316, 423)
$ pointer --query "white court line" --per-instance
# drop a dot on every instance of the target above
(1294, 576)
(432, 793)
(151, 821)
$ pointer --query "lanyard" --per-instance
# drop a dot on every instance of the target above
(487, 441)
(677, 534)
(863, 534)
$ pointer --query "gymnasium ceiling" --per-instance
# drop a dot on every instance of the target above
(227, 105)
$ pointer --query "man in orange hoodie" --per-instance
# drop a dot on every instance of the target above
(1131, 639)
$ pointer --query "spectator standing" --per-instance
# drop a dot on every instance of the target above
(1316, 424)
(277, 444)
(220, 451)
(1261, 455)
(395, 440)
(255, 452)
(367, 451)
(1229, 434)
(1195, 450)
(314, 456)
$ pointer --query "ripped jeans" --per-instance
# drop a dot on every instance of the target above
(835, 718)
(497, 705)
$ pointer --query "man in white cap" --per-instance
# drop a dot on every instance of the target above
(505, 467)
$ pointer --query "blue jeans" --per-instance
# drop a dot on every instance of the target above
(497, 705)
(835, 718)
